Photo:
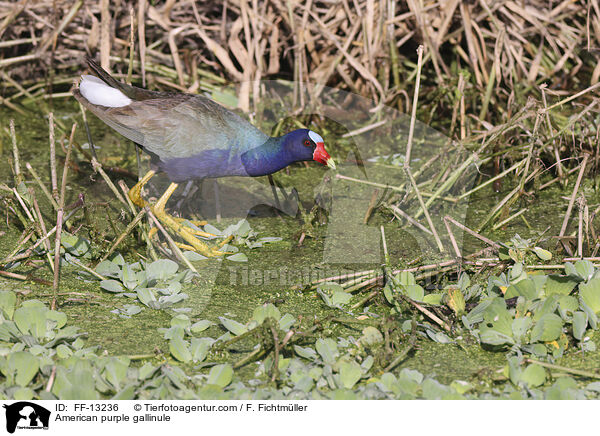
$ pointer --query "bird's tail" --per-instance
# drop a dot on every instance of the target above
(107, 78)
(132, 92)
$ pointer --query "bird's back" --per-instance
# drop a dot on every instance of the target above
(179, 125)
(167, 125)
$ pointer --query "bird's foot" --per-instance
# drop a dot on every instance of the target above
(177, 225)
(135, 193)
(213, 251)
(187, 233)
(199, 247)
(197, 223)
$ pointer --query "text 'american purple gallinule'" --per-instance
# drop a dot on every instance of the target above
(191, 137)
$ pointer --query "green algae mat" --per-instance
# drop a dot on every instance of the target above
(328, 291)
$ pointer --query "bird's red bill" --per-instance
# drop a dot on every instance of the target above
(321, 156)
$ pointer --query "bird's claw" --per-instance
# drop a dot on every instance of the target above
(176, 224)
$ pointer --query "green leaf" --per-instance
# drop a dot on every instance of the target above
(238, 257)
(538, 350)
(388, 382)
(534, 375)
(31, 318)
(367, 363)
(286, 322)
(456, 301)
(327, 348)
(180, 349)
(241, 229)
(548, 328)
(146, 296)
(350, 373)
(330, 287)
(592, 317)
(220, 375)
(26, 366)
(565, 388)
(439, 337)
(405, 278)
(23, 394)
(580, 322)
(201, 325)
(542, 254)
(584, 268)
(371, 336)
(161, 269)
(234, 327)
(525, 287)
(570, 270)
(433, 299)
(464, 281)
(58, 317)
(62, 351)
(146, 371)
(129, 277)
(74, 245)
(266, 311)
(115, 371)
(497, 326)
(200, 347)
(306, 352)
(126, 393)
(494, 337)
(568, 303)
(414, 292)
(112, 286)
(117, 259)
(514, 369)
(8, 300)
(131, 309)
(172, 332)
(340, 298)
(209, 228)
(180, 320)
(461, 386)
(192, 256)
(304, 383)
(388, 292)
(516, 272)
(549, 305)
(434, 390)
(520, 326)
(108, 269)
(75, 383)
(590, 294)
(562, 285)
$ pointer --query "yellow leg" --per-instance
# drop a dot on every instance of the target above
(174, 223)
(197, 223)
(181, 222)
(135, 193)
(184, 232)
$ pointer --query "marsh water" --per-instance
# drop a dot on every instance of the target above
(336, 240)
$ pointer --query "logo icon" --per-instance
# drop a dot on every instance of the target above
(26, 415)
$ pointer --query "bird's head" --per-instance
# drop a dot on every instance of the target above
(305, 144)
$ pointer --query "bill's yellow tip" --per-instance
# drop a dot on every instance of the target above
(331, 163)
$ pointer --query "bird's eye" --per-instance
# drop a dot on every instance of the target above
(307, 142)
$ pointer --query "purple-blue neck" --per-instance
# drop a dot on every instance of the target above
(276, 153)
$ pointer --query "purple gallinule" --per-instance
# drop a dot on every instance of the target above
(191, 137)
